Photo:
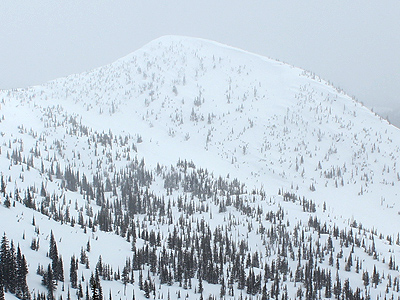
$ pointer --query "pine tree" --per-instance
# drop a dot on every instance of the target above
(375, 277)
(60, 270)
(43, 192)
(12, 268)
(87, 297)
(349, 263)
(7, 202)
(4, 257)
(125, 278)
(365, 278)
(264, 295)
(53, 255)
(28, 201)
(337, 288)
(348, 293)
(1, 292)
(250, 282)
(50, 285)
(328, 286)
(223, 288)
(22, 290)
(146, 289)
(242, 278)
(200, 289)
(97, 293)
(80, 291)
(140, 280)
(83, 256)
(3, 186)
(73, 273)
(275, 286)
(94, 288)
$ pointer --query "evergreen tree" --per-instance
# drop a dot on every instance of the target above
(49, 282)
(146, 289)
(87, 297)
(275, 286)
(1, 292)
(125, 277)
(3, 186)
(348, 293)
(95, 286)
(53, 254)
(375, 277)
(250, 283)
(223, 288)
(4, 258)
(22, 290)
(60, 270)
(73, 273)
(337, 288)
(79, 293)
(140, 280)
(7, 202)
(83, 256)
(200, 289)
(328, 286)
(264, 295)
(365, 278)
(12, 268)
(242, 278)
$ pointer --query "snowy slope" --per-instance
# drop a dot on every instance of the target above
(239, 115)
(260, 120)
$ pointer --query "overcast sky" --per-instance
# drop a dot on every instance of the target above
(355, 44)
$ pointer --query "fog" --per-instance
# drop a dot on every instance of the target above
(354, 44)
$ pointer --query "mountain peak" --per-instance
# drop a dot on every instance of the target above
(193, 44)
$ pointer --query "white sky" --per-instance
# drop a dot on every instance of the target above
(355, 44)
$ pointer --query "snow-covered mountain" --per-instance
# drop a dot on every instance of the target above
(187, 137)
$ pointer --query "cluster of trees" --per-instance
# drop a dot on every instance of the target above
(13, 270)
(192, 252)
(54, 271)
(196, 252)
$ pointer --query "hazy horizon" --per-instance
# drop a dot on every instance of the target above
(354, 45)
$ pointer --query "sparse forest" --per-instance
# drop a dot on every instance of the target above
(192, 170)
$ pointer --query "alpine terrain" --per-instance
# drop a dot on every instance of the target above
(192, 170)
